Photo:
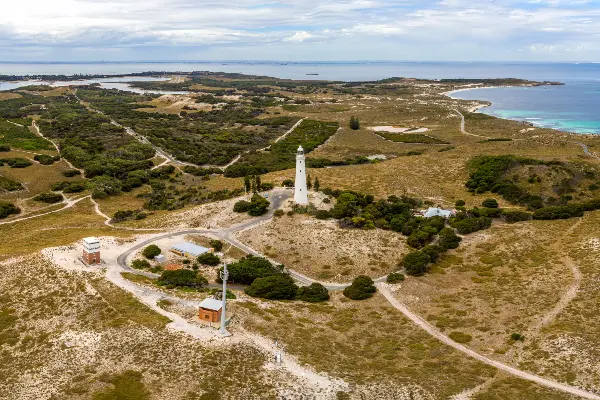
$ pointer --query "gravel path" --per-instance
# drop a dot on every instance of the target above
(426, 326)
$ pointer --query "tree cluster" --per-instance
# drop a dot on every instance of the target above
(257, 206)
(49, 198)
(151, 251)
(182, 278)
(362, 288)
(6, 209)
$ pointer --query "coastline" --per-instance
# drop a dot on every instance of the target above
(534, 122)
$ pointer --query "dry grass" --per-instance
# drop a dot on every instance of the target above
(9, 95)
(55, 229)
(325, 252)
(76, 330)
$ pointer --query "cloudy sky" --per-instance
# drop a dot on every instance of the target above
(296, 30)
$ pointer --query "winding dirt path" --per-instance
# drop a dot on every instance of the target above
(462, 125)
(69, 204)
(426, 326)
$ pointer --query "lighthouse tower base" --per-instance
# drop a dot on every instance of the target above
(300, 189)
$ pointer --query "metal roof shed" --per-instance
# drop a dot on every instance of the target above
(189, 249)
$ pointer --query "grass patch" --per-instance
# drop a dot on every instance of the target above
(128, 306)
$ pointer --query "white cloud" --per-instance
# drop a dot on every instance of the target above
(343, 28)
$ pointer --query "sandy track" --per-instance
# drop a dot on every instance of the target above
(462, 125)
(426, 326)
(69, 204)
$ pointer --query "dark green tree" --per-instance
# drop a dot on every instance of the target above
(274, 287)
(182, 278)
(354, 123)
(257, 184)
(317, 184)
(217, 245)
(490, 203)
(247, 184)
(208, 259)
(416, 263)
(151, 251)
(246, 270)
(309, 182)
(448, 239)
(362, 287)
(313, 293)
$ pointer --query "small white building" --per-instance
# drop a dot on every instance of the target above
(91, 250)
(160, 258)
(437, 212)
(187, 249)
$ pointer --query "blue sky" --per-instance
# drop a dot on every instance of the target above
(300, 30)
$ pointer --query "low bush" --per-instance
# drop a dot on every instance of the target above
(151, 251)
(217, 245)
(140, 264)
(182, 278)
(395, 277)
(416, 263)
(460, 203)
(448, 239)
(512, 216)
(46, 159)
(49, 198)
(208, 259)
(241, 206)
(558, 212)
(278, 213)
(471, 224)
(274, 287)
(314, 293)
(322, 214)
(4, 147)
(490, 203)
(362, 287)
(7, 209)
(16, 162)
(460, 337)
(71, 173)
(246, 270)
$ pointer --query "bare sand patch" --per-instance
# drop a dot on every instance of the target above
(321, 250)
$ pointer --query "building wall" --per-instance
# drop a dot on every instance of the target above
(91, 258)
(209, 315)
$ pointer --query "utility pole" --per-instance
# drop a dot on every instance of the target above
(224, 276)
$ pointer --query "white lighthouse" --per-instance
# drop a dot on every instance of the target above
(300, 191)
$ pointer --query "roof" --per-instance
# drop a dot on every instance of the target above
(211, 304)
(191, 248)
(437, 212)
(91, 240)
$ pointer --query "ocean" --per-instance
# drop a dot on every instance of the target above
(572, 107)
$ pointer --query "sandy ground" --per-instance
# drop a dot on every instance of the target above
(67, 257)
(396, 129)
(212, 215)
(323, 251)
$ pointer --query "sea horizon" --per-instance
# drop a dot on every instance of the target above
(570, 108)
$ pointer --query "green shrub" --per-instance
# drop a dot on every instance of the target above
(4, 147)
(258, 205)
(45, 159)
(208, 259)
(49, 198)
(71, 173)
(395, 277)
(470, 225)
(16, 162)
(460, 203)
(460, 337)
(217, 245)
(416, 263)
(490, 203)
(241, 206)
(140, 264)
(182, 278)
(558, 212)
(9, 185)
(448, 239)
(362, 287)
(517, 337)
(151, 251)
(7, 209)
(322, 214)
(512, 216)
(287, 183)
(433, 251)
(354, 123)
(313, 293)
(246, 270)
(274, 287)
(278, 213)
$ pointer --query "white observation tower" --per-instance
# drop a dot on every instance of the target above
(300, 191)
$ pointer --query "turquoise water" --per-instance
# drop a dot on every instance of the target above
(574, 107)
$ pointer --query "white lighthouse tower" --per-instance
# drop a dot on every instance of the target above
(300, 191)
